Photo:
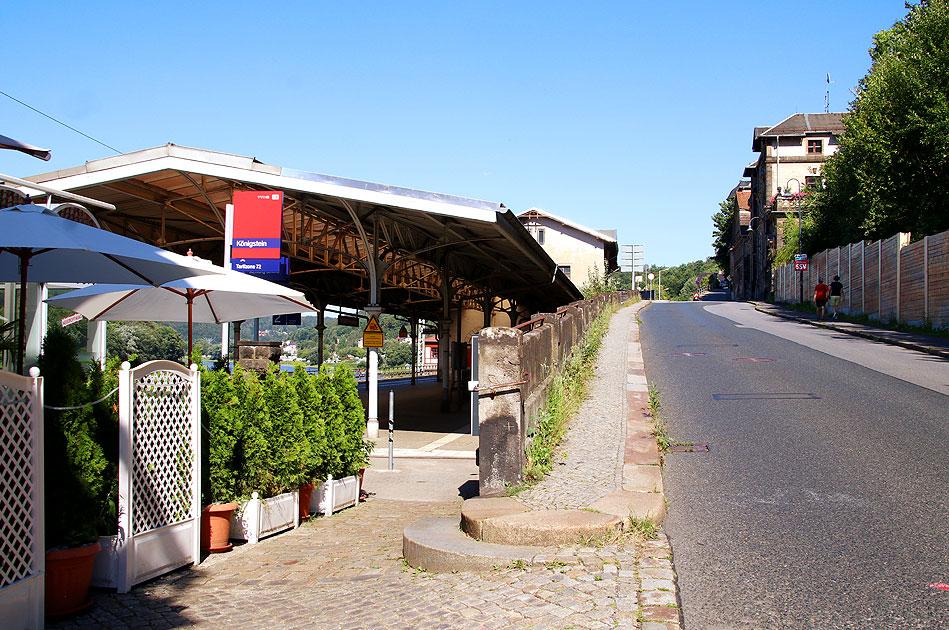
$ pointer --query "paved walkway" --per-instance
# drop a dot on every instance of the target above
(938, 346)
(346, 571)
(594, 446)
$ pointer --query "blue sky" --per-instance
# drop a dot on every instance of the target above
(633, 116)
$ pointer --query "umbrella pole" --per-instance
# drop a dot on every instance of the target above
(21, 341)
(190, 305)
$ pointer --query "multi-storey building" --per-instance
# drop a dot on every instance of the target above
(791, 156)
(576, 249)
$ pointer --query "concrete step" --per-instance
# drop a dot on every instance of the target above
(549, 527)
(478, 509)
(504, 520)
(438, 545)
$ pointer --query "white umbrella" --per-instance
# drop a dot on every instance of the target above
(223, 297)
(37, 245)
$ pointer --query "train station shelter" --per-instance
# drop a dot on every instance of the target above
(458, 262)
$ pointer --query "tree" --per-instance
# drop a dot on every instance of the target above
(723, 221)
(890, 173)
(397, 353)
(146, 340)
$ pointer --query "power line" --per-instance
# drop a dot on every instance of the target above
(60, 122)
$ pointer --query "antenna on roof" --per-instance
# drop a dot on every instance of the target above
(827, 95)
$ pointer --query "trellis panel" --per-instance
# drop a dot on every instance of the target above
(22, 543)
(159, 470)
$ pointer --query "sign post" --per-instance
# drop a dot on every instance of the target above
(372, 335)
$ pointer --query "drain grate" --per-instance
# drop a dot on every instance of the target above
(689, 448)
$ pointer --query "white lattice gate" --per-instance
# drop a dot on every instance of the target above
(159, 463)
(22, 556)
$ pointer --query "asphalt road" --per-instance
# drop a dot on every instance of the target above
(823, 501)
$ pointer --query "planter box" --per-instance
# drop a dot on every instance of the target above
(105, 572)
(333, 495)
(258, 518)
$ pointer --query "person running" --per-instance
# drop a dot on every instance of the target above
(836, 294)
(821, 292)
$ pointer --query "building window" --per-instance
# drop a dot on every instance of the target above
(565, 269)
(540, 235)
(815, 146)
(813, 182)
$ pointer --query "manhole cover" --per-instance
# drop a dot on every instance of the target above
(752, 360)
(687, 354)
(689, 448)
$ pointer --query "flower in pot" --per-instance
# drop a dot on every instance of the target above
(81, 479)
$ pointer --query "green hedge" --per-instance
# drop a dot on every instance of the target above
(272, 433)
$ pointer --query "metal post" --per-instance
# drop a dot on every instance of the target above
(800, 221)
(391, 424)
(372, 381)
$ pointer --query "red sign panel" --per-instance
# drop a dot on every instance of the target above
(800, 265)
(258, 218)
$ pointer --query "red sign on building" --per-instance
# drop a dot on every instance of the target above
(258, 219)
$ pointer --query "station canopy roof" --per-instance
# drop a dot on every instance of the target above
(175, 197)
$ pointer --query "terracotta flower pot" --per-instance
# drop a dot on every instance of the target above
(216, 527)
(306, 491)
(68, 574)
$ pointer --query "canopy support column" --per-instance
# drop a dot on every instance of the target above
(414, 336)
(372, 381)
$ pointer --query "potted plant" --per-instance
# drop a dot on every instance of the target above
(313, 434)
(221, 416)
(81, 481)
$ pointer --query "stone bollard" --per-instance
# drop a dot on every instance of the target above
(500, 417)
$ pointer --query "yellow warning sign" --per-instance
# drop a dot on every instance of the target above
(372, 335)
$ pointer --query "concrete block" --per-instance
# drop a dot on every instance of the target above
(502, 431)
(475, 511)
(437, 545)
(548, 527)
(639, 478)
(641, 505)
(641, 451)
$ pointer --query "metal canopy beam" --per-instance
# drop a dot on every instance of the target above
(335, 251)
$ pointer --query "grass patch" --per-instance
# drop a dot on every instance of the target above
(642, 529)
(659, 427)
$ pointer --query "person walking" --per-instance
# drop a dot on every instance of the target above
(836, 294)
(821, 293)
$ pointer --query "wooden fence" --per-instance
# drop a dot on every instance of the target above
(888, 280)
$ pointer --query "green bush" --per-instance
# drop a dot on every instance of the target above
(81, 447)
(274, 432)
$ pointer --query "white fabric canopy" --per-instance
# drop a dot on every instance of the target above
(226, 296)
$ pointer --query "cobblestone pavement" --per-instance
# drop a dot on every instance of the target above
(593, 466)
(346, 572)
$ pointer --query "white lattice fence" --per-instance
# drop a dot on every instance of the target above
(22, 556)
(159, 462)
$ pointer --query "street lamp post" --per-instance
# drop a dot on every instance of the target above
(800, 221)
(754, 257)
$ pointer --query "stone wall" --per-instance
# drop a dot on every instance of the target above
(257, 355)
